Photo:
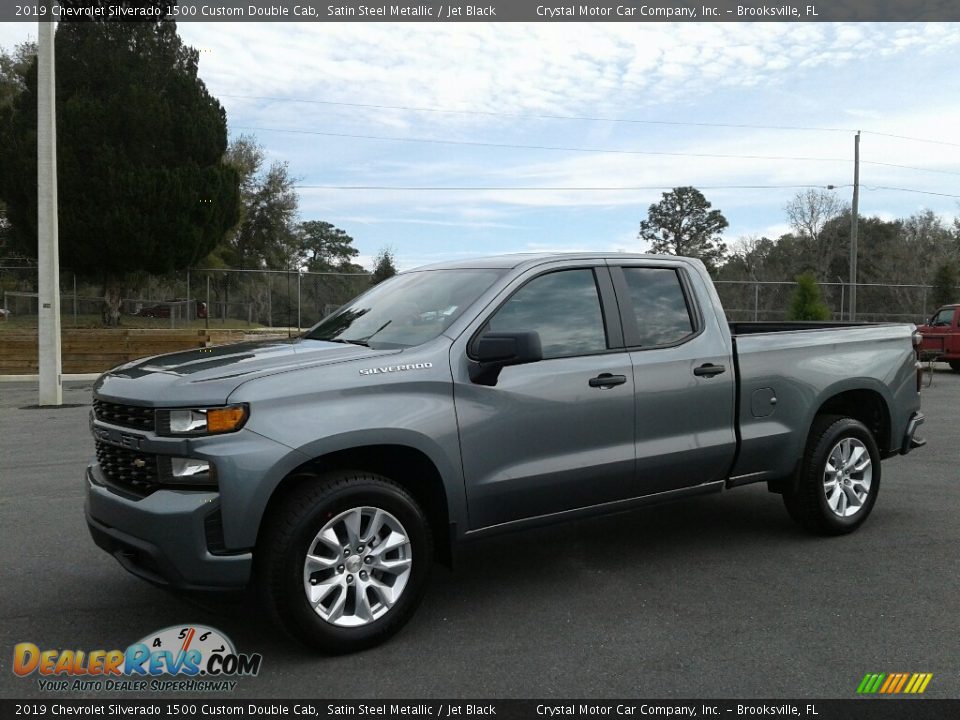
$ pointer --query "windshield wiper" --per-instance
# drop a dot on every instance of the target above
(361, 341)
(364, 341)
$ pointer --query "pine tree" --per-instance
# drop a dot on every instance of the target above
(140, 145)
(682, 223)
(807, 303)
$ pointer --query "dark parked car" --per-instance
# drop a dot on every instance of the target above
(162, 310)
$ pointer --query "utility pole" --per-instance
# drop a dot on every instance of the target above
(854, 220)
(48, 246)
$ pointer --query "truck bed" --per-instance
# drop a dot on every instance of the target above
(763, 326)
(786, 370)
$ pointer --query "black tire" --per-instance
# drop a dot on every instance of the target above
(291, 529)
(955, 365)
(807, 502)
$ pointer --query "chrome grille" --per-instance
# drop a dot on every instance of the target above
(131, 416)
(129, 470)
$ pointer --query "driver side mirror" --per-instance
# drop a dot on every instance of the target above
(497, 350)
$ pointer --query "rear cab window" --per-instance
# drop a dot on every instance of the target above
(659, 307)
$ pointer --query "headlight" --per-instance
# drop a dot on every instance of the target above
(187, 421)
(201, 421)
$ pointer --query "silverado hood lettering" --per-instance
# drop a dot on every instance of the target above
(396, 368)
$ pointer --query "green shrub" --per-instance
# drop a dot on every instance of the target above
(807, 304)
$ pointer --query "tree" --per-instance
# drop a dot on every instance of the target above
(142, 183)
(807, 303)
(682, 223)
(13, 71)
(13, 81)
(809, 212)
(945, 282)
(384, 265)
(266, 235)
(325, 248)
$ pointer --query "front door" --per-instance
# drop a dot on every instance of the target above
(556, 434)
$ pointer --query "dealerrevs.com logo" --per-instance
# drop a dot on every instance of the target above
(198, 658)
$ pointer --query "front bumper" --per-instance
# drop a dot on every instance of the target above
(184, 550)
(911, 440)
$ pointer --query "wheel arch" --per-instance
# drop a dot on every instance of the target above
(409, 466)
(868, 405)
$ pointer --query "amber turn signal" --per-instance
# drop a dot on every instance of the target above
(228, 419)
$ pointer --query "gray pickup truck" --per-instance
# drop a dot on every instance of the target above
(469, 398)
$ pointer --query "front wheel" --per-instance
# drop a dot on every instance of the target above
(955, 365)
(344, 560)
(839, 479)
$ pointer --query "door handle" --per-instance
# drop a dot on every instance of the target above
(709, 370)
(606, 380)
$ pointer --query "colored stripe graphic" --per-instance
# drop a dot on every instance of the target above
(871, 683)
(918, 683)
(900, 683)
(894, 683)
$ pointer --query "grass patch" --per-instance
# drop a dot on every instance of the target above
(67, 321)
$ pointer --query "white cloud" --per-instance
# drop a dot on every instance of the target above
(889, 78)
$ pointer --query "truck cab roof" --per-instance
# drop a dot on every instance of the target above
(516, 260)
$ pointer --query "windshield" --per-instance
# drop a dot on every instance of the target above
(406, 310)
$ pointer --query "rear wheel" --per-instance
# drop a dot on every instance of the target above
(955, 365)
(840, 477)
(344, 560)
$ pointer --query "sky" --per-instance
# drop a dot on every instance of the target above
(459, 140)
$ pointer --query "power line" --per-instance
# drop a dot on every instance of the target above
(631, 188)
(517, 146)
(538, 116)
(909, 167)
(586, 118)
(436, 188)
(615, 151)
(909, 190)
(914, 139)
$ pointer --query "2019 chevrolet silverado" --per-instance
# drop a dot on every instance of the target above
(464, 399)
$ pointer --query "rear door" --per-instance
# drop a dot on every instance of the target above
(685, 384)
(545, 438)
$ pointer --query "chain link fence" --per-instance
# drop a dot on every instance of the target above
(282, 299)
(214, 298)
(876, 302)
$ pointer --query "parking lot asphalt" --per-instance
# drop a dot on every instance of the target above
(720, 596)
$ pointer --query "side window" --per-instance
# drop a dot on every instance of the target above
(563, 306)
(943, 318)
(659, 305)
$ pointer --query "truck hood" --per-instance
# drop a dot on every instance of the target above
(209, 375)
